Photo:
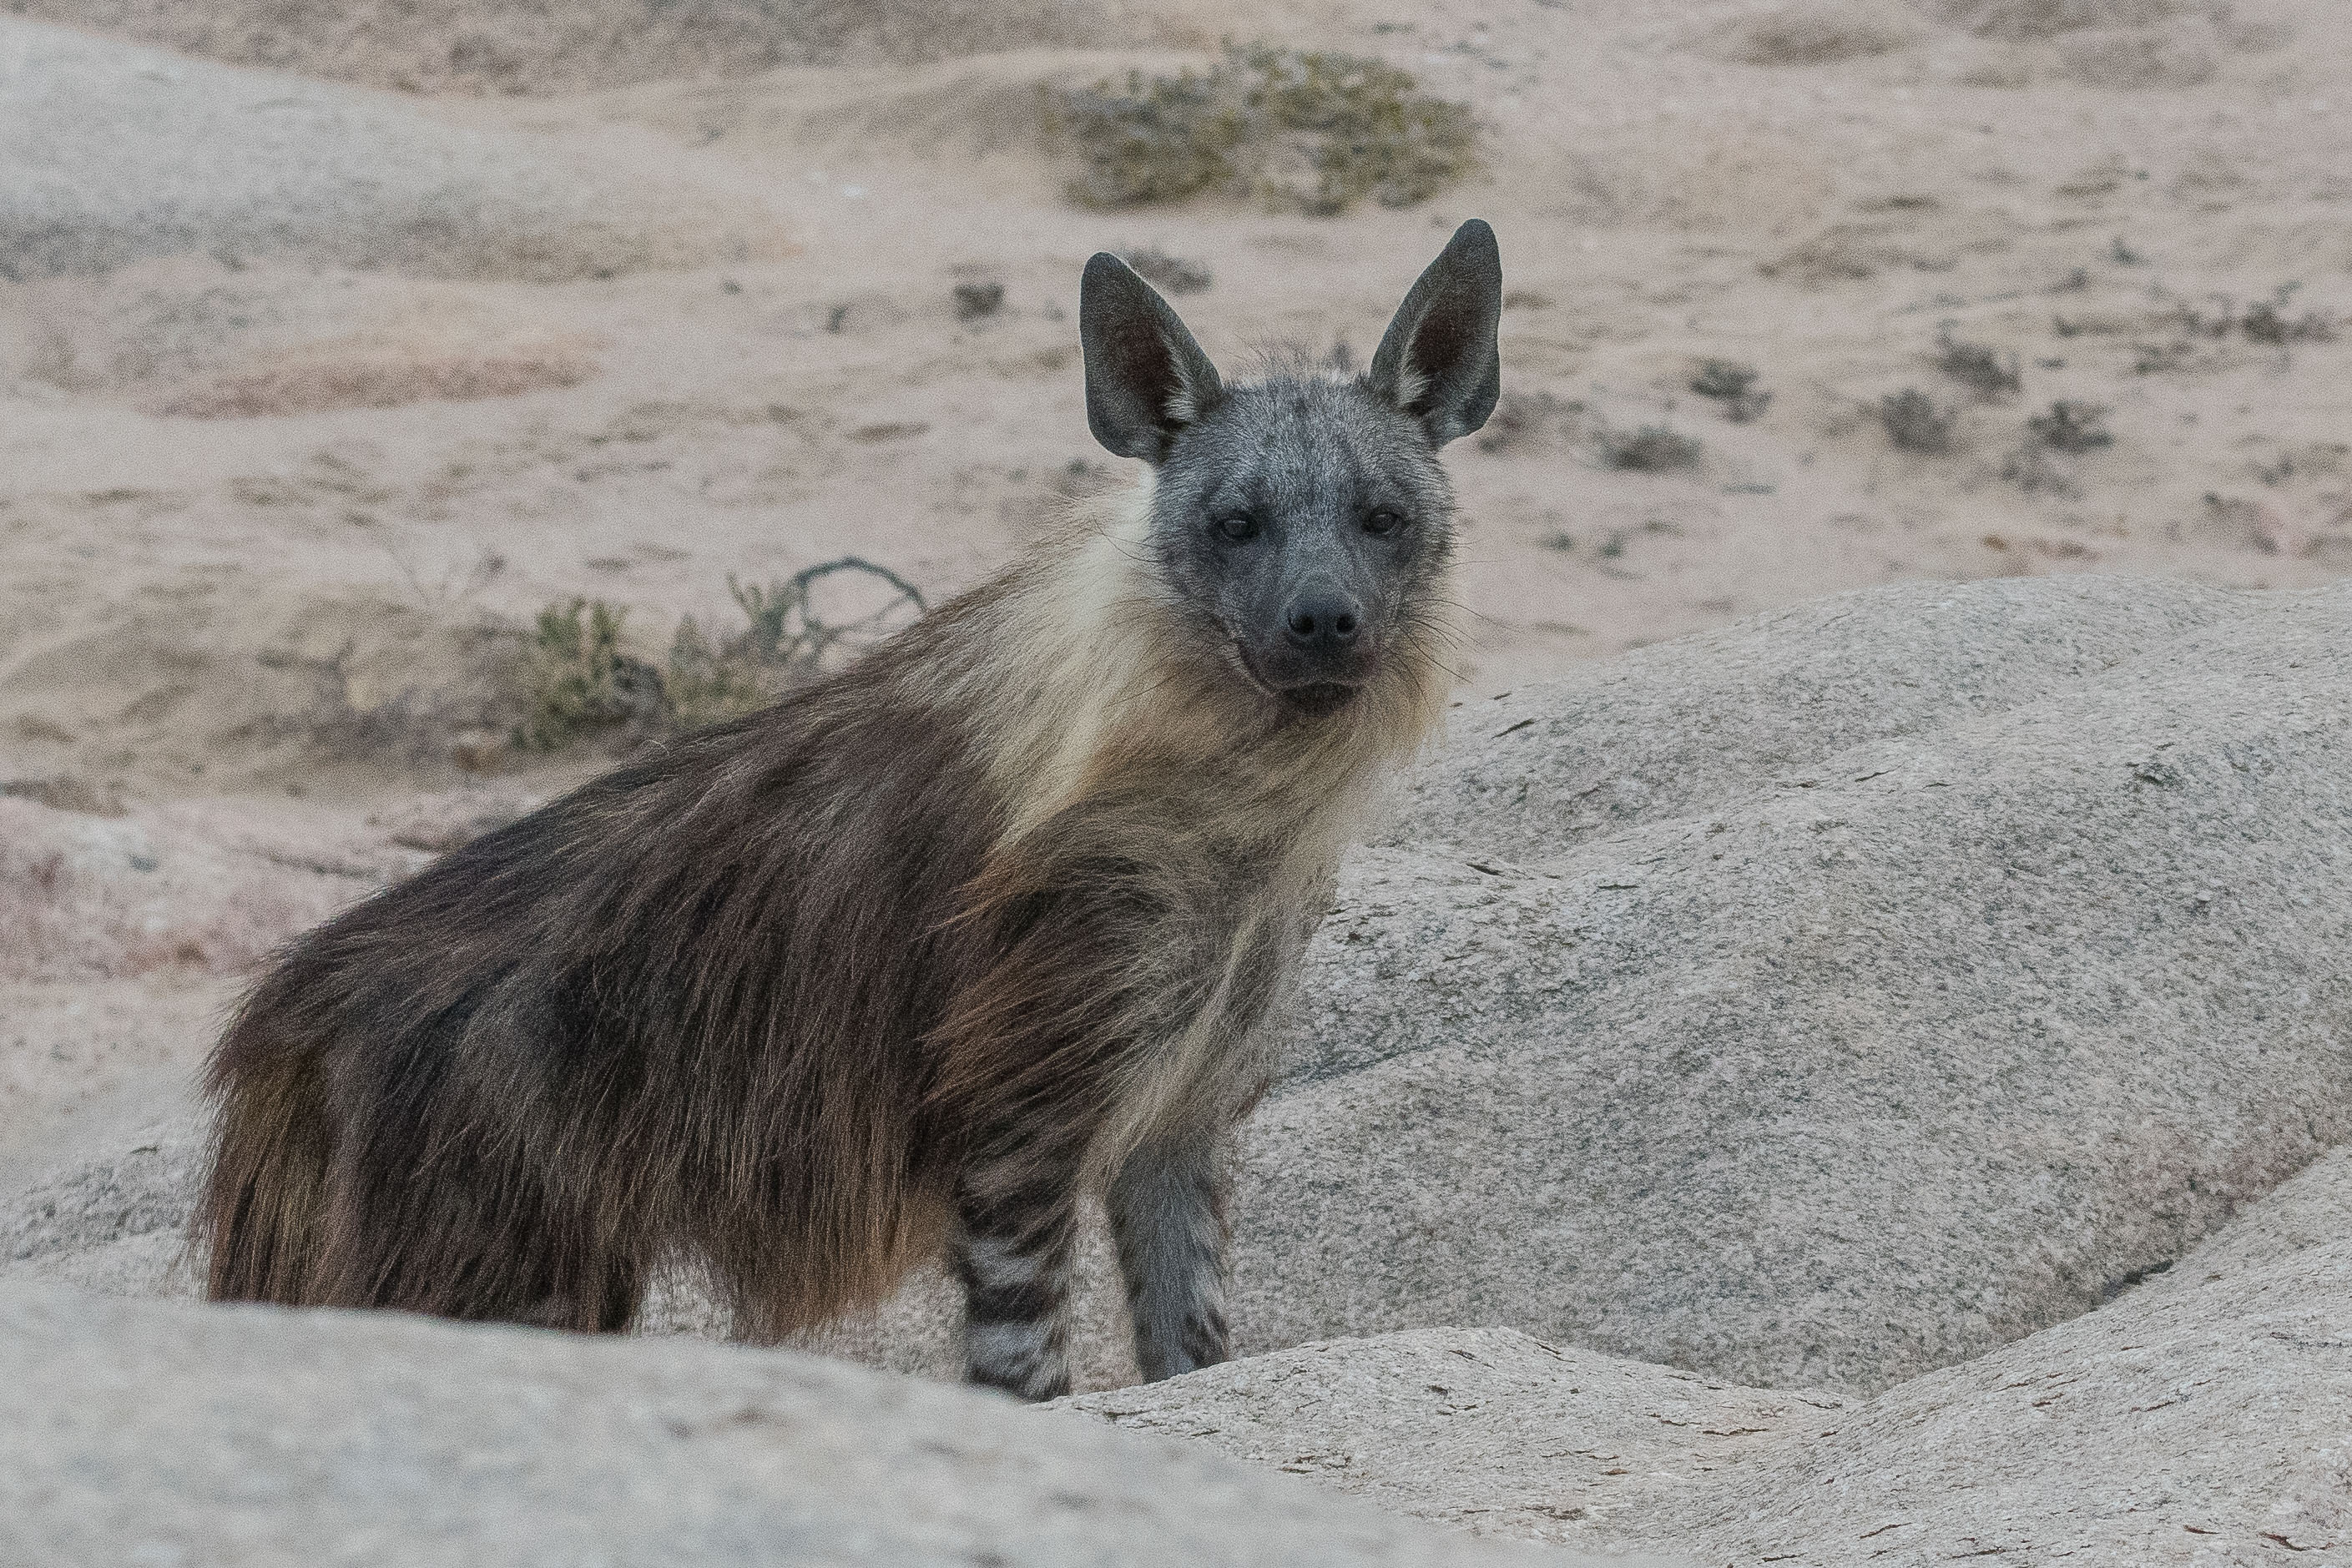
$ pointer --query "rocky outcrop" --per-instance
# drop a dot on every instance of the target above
(147, 1432)
(2200, 1418)
(1835, 998)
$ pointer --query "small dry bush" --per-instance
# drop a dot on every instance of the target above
(1732, 386)
(2271, 321)
(1813, 33)
(1650, 449)
(976, 301)
(1982, 369)
(456, 691)
(1723, 379)
(2070, 426)
(1917, 422)
(1305, 131)
(2267, 321)
(581, 684)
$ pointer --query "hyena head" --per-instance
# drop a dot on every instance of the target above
(1301, 522)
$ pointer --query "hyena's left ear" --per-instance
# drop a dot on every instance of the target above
(1439, 362)
(1146, 379)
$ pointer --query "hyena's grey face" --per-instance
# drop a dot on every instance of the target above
(1305, 520)
(1308, 522)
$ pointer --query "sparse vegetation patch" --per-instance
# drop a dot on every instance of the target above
(369, 374)
(1732, 386)
(974, 301)
(580, 683)
(2267, 321)
(1982, 369)
(1650, 449)
(1307, 130)
(1917, 422)
(2070, 426)
(2271, 321)
(2135, 59)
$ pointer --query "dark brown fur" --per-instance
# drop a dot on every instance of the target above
(916, 955)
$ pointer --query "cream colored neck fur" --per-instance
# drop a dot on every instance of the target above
(1090, 670)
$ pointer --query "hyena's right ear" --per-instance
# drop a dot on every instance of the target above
(1146, 379)
(1439, 362)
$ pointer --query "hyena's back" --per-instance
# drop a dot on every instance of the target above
(678, 1009)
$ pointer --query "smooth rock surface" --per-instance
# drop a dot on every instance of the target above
(2204, 1417)
(1833, 998)
(111, 153)
(144, 1432)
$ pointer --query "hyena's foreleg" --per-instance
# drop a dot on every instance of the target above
(1016, 1234)
(1168, 1215)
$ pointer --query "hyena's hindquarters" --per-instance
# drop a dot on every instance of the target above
(263, 1210)
(1167, 1216)
(401, 1211)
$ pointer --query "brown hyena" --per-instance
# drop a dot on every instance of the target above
(921, 954)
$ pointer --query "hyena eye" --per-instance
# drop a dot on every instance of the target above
(1383, 522)
(1237, 527)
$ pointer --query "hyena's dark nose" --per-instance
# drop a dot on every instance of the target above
(1322, 622)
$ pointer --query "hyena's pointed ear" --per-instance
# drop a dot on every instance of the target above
(1439, 362)
(1146, 378)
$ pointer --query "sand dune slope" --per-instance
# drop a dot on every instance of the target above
(115, 153)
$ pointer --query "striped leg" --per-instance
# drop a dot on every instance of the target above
(1168, 1215)
(1013, 1255)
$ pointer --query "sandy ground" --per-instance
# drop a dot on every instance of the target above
(223, 595)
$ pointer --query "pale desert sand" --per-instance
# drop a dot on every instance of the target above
(285, 460)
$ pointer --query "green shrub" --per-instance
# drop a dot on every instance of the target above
(578, 683)
(1310, 130)
(710, 684)
(1160, 139)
